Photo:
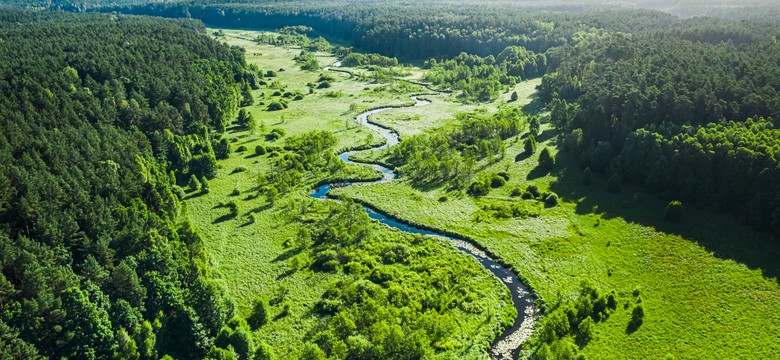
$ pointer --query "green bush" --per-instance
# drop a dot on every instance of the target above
(241, 148)
(497, 181)
(479, 188)
(323, 85)
(530, 145)
(204, 185)
(260, 150)
(534, 191)
(516, 192)
(546, 159)
(673, 211)
(194, 184)
(260, 312)
(277, 105)
(551, 200)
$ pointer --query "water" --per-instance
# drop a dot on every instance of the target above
(505, 346)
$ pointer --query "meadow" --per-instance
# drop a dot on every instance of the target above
(251, 252)
(702, 293)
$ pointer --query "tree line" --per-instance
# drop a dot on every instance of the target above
(689, 113)
(102, 117)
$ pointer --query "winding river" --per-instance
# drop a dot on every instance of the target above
(505, 346)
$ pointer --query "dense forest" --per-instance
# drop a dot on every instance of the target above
(608, 74)
(99, 257)
(687, 113)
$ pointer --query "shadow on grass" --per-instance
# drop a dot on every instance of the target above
(194, 194)
(719, 233)
(535, 107)
(633, 326)
(261, 208)
(537, 172)
(286, 255)
(224, 218)
(286, 274)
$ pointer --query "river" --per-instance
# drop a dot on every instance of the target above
(506, 345)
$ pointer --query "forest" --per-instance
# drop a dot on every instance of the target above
(99, 256)
(330, 180)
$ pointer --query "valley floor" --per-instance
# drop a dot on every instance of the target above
(709, 287)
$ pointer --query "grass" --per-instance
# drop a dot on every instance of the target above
(249, 253)
(709, 286)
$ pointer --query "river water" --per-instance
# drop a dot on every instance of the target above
(506, 345)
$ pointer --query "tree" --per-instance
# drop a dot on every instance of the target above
(222, 149)
(260, 313)
(551, 199)
(204, 185)
(546, 159)
(614, 183)
(533, 127)
(194, 184)
(514, 97)
(126, 347)
(530, 145)
(264, 352)
(271, 194)
(673, 211)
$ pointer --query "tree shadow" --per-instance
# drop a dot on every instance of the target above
(194, 194)
(633, 326)
(535, 107)
(719, 233)
(537, 172)
(224, 218)
(261, 208)
(287, 255)
(286, 274)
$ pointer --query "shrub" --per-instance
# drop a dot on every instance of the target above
(546, 159)
(324, 85)
(530, 145)
(194, 184)
(264, 352)
(276, 134)
(443, 198)
(270, 73)
(587, 176)
(260, 150)
(497, 181)
(204, 185)
(277, 105)
(614, 184)
(516, 192)
(238, 170)
(479, 188)
(533, 190)
(551, 200)
(504, 175)
(514, 97)
(298, 97)
(236, 191)
(673, 211)
(259, 316)
(534, 126)
(241, 148)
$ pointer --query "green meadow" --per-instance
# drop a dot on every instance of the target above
(700, 290)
